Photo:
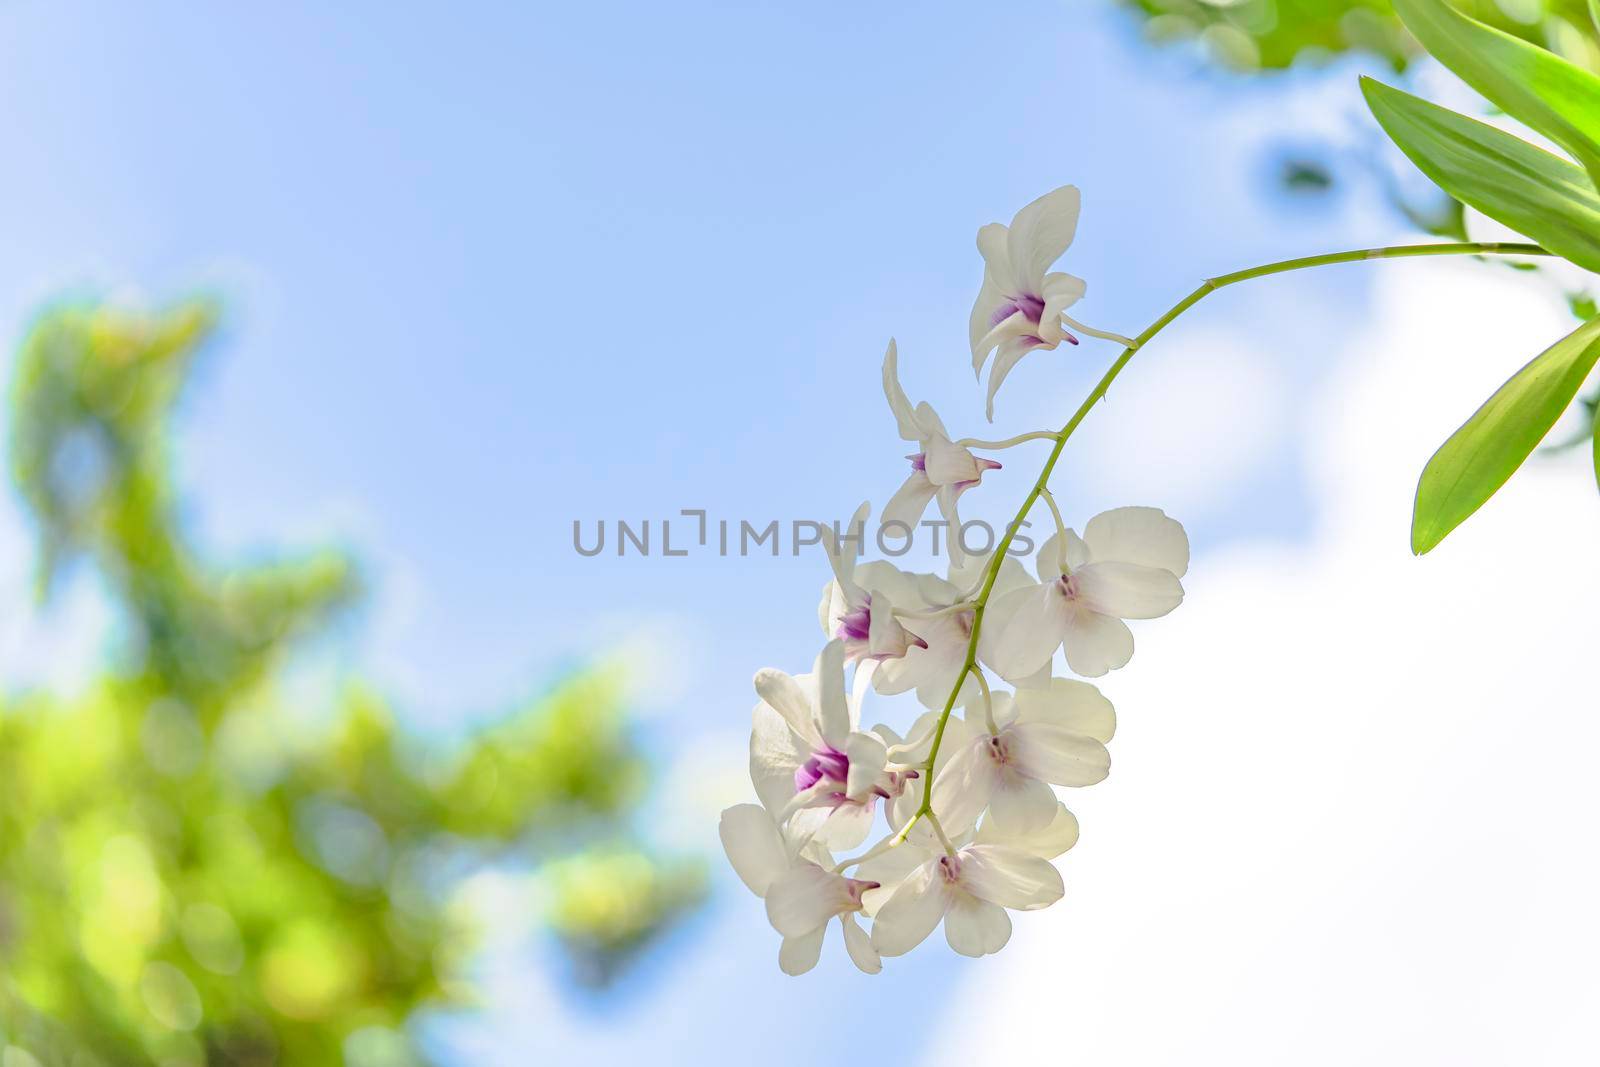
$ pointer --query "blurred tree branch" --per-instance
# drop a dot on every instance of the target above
(189, 873)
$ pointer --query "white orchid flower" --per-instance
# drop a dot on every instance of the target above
(1054, 736)
(812, 768)
(888, 869)
(969, 891)
(913, 753)
(939, 468)
(1020, 307)
(801, 890)
(1126, 566)
(856, 606)
(933, 668)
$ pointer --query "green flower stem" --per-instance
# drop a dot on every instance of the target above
(1491, 248)
(988, 698)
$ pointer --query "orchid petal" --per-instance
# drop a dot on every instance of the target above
(775, 753)
(1060, 291)
(905, 419)
(909, 503)
(754, 846)
(1047, 843)
(1146, 536)
(1096, 643)
(843, 562)
(990, 300)
(1009, 877)
(804, 898)
(1010, 353)
(976, 927)
(858, 943)
(846, 826)
(1024, 629)
(962, 789)
(1076, 705)
(1058, 755)
(1040, 233)
(798, 955)
(783, 693)
(1022, 805)
(1127, 590)
(912, 911)
(994, 244)
(833, 711)
(867, 757)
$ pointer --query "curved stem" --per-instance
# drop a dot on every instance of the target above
(988, 699)
(1009, 442)
(949, 849)
(1061, 531)
(1090, 331)
(1210, 285)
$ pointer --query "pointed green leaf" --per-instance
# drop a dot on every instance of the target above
(1559, 99)
(1471, 467)
(1531, 190)
(1597, 450)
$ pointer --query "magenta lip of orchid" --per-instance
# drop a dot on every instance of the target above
(1032, 309)
(829, 764)
(855, 628)
(826, 762)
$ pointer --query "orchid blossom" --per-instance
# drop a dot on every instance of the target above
(1034, 739)
(939, 468)
(1127, 565)
(800, 888)
(861, 612)
(941, 617)
(969, 800)
(968, 889)
(1022, 303)
(811, 766)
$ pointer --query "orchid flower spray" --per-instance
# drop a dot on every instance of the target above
(966, 806)
(992, 659)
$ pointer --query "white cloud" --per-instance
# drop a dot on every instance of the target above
(1352, 809)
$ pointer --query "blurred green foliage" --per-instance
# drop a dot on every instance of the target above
(1249, 35)
(195, 871)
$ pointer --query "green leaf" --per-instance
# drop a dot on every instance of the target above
(1471, 467)
(1559, 99)
(1596, 447)
(1531, 190)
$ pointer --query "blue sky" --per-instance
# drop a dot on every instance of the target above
(495, 271)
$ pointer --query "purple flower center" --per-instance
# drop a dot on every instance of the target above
(856, 625)
(997, 748)
(855, 629)
(1032, 309)
(919, 462)
(950, 868)
(825, 762)
(1068, 584)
